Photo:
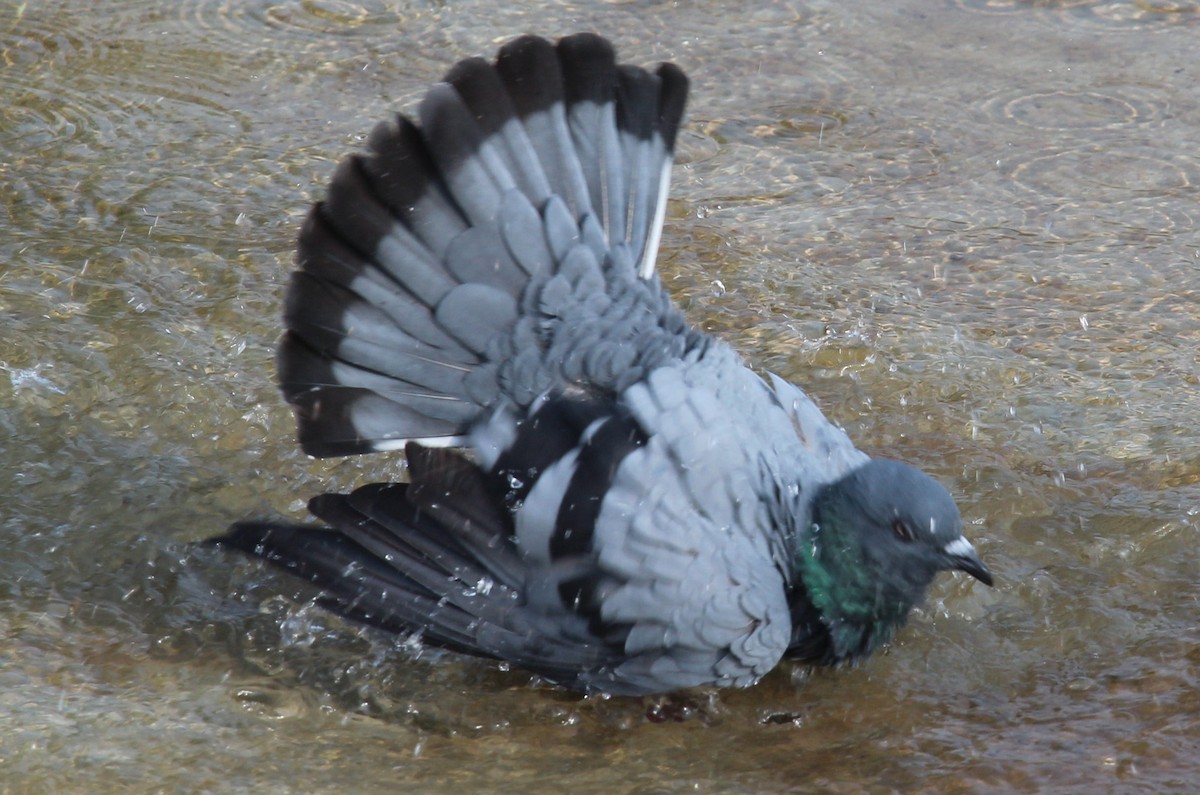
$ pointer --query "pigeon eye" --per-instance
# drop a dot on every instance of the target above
(902, 530)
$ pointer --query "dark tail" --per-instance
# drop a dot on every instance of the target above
(435, 557)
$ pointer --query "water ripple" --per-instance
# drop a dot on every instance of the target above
(1113, 16)
(28, 41)
(1105, 173)
(1005, 7)
(1124, 16)
(1092, 109)
(259, 22)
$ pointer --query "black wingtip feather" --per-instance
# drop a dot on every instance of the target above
(482, 91)
(528, 66)
(589, 68)
(672, 100)
(399, 164)
(403, 174)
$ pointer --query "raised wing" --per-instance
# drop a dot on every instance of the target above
(551, 162)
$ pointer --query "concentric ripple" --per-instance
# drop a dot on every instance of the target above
(1093, 109)
(1111, 16)
(29, 41)
(1103, 173)
(1122, 15)
(1140, 224)
(1005, 7)
(34, 48)
(782, 122)
(249, 23)
(772, 137)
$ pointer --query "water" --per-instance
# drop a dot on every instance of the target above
(969, 228)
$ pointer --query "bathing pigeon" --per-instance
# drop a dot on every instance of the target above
(638, 511)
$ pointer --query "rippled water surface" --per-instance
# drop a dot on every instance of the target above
(969, 227)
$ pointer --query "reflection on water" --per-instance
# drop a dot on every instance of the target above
(969, 228)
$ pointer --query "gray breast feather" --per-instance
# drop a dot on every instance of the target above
(686, 527)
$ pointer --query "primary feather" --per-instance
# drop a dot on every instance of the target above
(642, 512)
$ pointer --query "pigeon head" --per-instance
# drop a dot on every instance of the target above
(878, 538)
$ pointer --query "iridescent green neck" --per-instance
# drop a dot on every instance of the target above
(855, 606)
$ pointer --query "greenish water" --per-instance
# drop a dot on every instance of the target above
(968, 228)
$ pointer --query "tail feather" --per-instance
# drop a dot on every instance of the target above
(354, 582)
(450, 263)
(483, 526)
(377, 577)
(421, 550)
(436, 557)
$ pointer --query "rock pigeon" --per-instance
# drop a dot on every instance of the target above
(638, 511)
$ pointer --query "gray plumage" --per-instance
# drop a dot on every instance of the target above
(641, 512)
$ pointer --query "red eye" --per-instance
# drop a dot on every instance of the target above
(902, 530)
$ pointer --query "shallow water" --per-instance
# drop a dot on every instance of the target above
(969, 228)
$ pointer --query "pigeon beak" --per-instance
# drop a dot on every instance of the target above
(962, 556)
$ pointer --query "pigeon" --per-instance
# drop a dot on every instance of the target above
(599, 492)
